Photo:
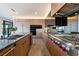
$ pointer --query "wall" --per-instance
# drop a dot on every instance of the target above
(39, 32)
(49, 22)
(1, 22)
(72, 25)
(78, 22)
(23, 25)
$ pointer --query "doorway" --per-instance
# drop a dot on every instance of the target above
(34, 27)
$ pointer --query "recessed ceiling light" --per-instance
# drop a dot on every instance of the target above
(36, 13)
(76, 13)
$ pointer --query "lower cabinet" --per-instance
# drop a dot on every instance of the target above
(50, 48)
(19, 48)
(10, 52)
(22, 47)
(54, 49)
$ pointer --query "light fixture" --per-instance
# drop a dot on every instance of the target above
(76, 13)
(12, 9)
(60, 14)
(36, 13)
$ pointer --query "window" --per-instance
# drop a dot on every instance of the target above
(6, 28)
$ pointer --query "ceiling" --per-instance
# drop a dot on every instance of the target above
(69, 9)
(24, 10)
(55, 7)
(37, 10)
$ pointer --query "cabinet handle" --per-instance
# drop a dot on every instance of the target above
(9, 51)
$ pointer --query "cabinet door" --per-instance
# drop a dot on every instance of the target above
(10, 52)
(23, 49)
(49, 46)
(18, 50)
(27, 44)
(22, 46)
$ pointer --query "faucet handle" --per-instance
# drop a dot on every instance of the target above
(1, 37)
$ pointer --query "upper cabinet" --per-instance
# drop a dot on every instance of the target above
(49, 22)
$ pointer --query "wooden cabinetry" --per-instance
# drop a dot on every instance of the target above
(54, 49)
(49, 46)
(8, 51)
(19, 48)
(27, 45)
(22, 46)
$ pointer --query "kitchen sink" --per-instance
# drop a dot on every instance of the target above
(13, 37)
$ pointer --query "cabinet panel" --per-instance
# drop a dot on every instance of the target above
(22, 46)
(54, 49)
(19, 48)
(10, 52)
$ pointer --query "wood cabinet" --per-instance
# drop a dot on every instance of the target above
(27, 45)
(22, 46)
(9, 51)
(19, 48)
(54, 49)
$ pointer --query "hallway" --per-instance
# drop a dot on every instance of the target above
(38, 48)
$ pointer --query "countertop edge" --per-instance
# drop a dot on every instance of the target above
(14, 42)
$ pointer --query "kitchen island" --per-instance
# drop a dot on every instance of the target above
(62, 44)
(19, 46)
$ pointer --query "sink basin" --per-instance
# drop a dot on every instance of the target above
(14, 36)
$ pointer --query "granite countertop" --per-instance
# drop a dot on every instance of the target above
(67, 38)
(74, 39)
(6, 42)
(70, 38)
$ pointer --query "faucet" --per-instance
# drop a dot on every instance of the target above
(2, 36)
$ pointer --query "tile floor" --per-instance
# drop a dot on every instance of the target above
(38, 48)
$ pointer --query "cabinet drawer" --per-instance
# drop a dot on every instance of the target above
(6, 50)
